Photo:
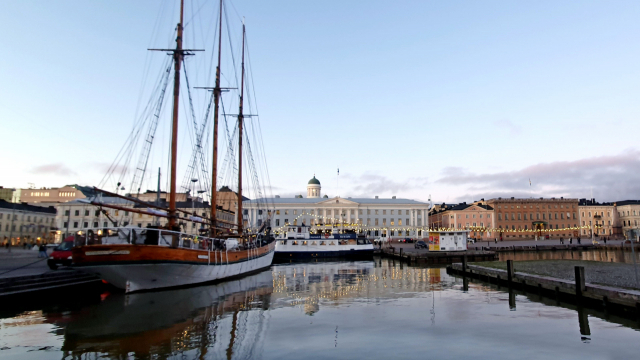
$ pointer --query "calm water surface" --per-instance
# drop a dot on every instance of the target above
(345, 310)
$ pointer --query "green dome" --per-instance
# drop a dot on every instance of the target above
(314, 181)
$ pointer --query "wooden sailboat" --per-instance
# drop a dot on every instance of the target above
(161, 257)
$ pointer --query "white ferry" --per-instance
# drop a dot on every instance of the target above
(298, 243)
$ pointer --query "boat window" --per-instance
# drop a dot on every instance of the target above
(294, 243)
(332, 243)
(343, 242)
(304, 243)
(314, 243)
(323, 243)
(284, 242)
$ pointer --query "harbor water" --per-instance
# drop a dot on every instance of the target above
(377, 309)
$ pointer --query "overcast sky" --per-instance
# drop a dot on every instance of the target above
(459, 100)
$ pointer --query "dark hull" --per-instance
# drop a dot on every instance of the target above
(345, 254)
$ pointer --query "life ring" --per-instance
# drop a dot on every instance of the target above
(326, 236)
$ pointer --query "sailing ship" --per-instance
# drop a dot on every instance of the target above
(135, 259)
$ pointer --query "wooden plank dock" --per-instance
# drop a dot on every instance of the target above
(625, 302)
(436, 257)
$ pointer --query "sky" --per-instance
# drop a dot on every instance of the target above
(448, 100)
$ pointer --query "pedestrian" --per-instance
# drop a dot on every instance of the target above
(561, 241)
(578, 240)
(605, 240)
(495, 240)
(8, 246)
(43, 251)
(570, 241)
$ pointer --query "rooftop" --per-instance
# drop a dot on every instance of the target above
(371, 201)
(26, 207)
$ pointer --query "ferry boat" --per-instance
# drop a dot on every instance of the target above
(135, 259)
(297, 243)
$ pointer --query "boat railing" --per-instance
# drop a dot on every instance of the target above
(161, 237)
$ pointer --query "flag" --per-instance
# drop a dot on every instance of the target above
(529, 181)
(338, 171)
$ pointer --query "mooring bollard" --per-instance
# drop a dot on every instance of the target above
(464, 263)
(510, 271)
(400, 252)
(579, 280)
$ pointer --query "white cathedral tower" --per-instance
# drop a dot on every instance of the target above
(313, 188)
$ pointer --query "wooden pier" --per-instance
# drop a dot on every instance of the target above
(436, 257)
(622, 301)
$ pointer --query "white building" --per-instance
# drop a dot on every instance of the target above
(374, 216)
(20, 223)
(78, 215)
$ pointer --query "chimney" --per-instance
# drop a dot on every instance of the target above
(376, 196)
(393, 197)
(277, 196)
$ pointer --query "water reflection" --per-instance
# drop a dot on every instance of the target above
(322, 310)
(589, 255)
(198, 320)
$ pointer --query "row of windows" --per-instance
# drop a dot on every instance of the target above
(513, 227)
(621, 213)
(359, 221)
(595, 213)
(608, 222)
(473, 216)
(530, 216)
(601, 232)
(25, 229)
(628, 222)
(35, 218)
(336, 212)
(537, 206)
(38, 193)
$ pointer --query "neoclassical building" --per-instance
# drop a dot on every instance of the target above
(372, 216)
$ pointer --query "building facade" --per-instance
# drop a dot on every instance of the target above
(629, 217)
(79, 216)
(599, 219)
(6, 194)
(20, 223)
(49, 195)
(519, 219)
(373, 217)
(478, 218)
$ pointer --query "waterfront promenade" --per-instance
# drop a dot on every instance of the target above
(25, 263)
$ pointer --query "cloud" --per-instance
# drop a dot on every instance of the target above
(612, 178)
(105, 168)
(53, 169)
(369, 184)
(512, 128)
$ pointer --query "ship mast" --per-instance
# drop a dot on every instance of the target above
(240, 119)
(177, 60)
(214, 173)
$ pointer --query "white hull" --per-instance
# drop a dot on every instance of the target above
(320, 248)
(137, 277)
